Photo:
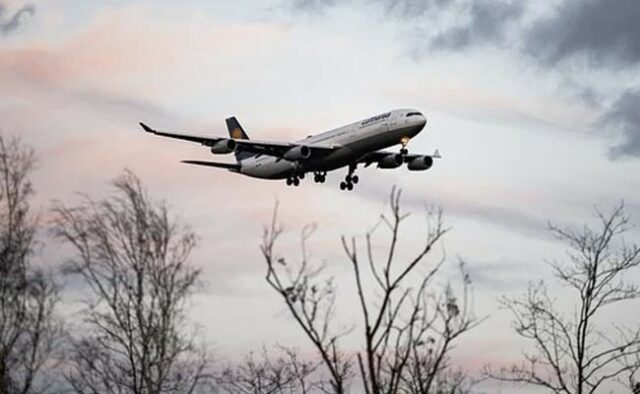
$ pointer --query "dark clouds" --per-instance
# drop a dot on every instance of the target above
(593, 35)
(600, 35)
(485, 20)
(487, 23)
(600, 32)
(310, 5)
(413, 8)
(624, 116)
(8, 22)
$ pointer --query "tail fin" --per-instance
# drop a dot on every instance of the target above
(237, 132)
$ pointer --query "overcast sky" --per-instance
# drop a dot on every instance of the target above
(533, 105)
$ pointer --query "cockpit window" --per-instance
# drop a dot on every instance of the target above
(413, 114)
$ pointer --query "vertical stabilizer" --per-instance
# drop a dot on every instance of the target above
(237, 133)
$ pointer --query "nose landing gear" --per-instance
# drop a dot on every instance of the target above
(404, 141)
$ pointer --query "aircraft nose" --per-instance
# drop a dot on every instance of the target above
(422, 121)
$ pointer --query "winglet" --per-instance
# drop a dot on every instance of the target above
(147, 128)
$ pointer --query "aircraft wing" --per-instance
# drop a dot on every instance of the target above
(375, 157)
(271, 148)
(276, 148)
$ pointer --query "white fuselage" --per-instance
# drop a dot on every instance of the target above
(353, 141)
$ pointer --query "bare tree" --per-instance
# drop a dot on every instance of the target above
(311, 302)
(408, 331)
(428, 368)
(134, 259)
(286, 374)
(573, 353)
(30, 333)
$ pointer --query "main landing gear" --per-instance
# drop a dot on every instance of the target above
(350, 179)
(319, 176)
(295, 179)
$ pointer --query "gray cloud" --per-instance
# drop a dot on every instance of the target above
(488, 22)
(10, 23)
(413, 8)
(486, 19)
(401, 8)
(599, 31)
(525, 223)
(310, 5)
(498, 276)
(624, 117)
(598, 34)
(602, 32)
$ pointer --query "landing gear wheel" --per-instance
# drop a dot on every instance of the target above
(289, 181)
(350, 179)
(296, 181)
(319, 177)
(301, 175)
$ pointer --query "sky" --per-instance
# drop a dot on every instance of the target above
(534, 106)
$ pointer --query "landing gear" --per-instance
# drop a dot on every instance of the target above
(319, 176)
(350, 179)
(346, 185)
(294, 180)
(404, 141)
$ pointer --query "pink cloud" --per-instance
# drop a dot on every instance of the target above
(128, 44)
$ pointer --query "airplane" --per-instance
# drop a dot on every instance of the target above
(347, 146)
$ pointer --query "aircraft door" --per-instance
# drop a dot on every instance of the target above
(391, 124)
(384, 126)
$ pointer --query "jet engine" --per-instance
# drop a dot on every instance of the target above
(223, 146)
(393, 160)
(299, 152)
(420, 163)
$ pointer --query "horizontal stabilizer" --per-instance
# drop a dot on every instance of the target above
(228, 166)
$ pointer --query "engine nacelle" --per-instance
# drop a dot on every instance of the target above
(223, 146)
(420, 163)
(393, 160)
(299, 152)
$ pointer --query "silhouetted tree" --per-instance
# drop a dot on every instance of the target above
(311, 302)
(134, 260)
(573, 353)
(408, 331)
(287, 373)
(30, 334)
